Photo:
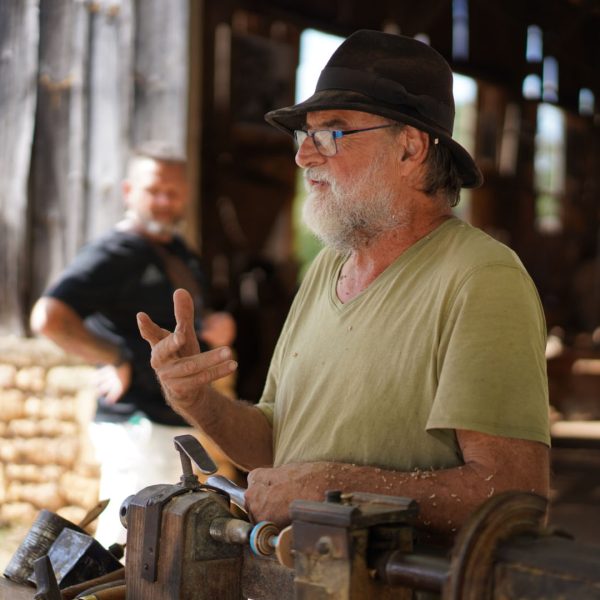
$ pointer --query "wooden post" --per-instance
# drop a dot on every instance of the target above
(161, 72)
(110, 99)
(19, 34)
(59, 157)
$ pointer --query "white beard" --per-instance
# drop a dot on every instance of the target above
(349, 215)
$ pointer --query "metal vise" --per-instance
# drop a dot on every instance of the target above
(183, 540)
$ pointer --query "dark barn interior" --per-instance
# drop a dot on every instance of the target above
(241, 58)
(248, 177)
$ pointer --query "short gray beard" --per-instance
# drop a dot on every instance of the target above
(351, 215)
(151, 226)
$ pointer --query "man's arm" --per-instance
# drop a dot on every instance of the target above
(241, 430)
(57, 321)
(446, 497)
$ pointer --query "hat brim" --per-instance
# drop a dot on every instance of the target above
(291, 118)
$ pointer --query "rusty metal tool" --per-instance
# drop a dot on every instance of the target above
(78, 589)
(236, 493)
(47, 587)
(191, 450)
(115, 592)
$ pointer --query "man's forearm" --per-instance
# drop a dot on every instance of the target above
(89, 347)
(240, 429)
(446, 497)
(60, 323)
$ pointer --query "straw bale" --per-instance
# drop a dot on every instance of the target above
(32, 407)
(40, 495)
(57, 428)
(33, 473)
(8, 374)
(8, 452)
(12, 405)
(78, 490)
(22, 428)
(69, 380)
(17, 512)
(31, 379)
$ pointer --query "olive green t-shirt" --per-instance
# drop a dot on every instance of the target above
(450, 336)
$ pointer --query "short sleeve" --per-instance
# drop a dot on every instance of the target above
(491, 363)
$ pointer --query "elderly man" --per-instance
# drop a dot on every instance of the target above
(90, 312)
(412, 360)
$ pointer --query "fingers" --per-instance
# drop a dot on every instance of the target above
(269, 495)
(108, 384)
(183, 305)
(182, 369)
(185, 380)
(149, 330)
(183, 341)
(197, 370)
(165, 345)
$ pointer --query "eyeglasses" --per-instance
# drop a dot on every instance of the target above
(325, 139)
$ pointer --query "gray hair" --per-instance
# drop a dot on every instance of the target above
(441, 174)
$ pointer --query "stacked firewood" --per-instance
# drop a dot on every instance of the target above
(46, 459)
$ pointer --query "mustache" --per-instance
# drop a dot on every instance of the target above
(318, 174)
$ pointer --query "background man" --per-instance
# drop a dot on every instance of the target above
(90, 312)
(412, 360)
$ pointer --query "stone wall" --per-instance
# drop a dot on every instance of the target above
(46, 460)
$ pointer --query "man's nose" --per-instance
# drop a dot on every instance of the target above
(307, 154)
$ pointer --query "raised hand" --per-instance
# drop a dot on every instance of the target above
(184, 372)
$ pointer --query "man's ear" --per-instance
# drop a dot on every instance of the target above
(408, 152)
(417, 144)
(126, 191)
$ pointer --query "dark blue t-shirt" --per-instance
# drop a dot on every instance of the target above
(108, 283)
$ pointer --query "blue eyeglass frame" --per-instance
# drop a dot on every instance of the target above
(336, 134)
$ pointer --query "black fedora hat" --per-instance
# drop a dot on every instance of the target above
(393, 76)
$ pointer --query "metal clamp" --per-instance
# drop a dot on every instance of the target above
(191, 450)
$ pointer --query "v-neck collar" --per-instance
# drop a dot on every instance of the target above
(389, 272)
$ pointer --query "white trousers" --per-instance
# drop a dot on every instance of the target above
(132, 456)
(136, 454)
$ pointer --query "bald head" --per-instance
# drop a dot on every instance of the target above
(155, 151)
